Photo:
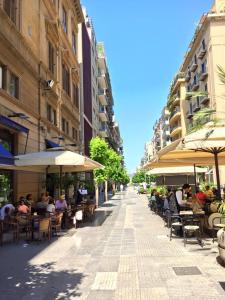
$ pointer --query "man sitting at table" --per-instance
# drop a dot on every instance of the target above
(61, 203)
(183, 194)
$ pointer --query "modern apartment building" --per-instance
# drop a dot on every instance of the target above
(157, 137)
(165, 127)
(39, 81)
(205, 54)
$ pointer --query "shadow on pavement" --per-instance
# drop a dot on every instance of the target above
(19, 278)
(98, 219)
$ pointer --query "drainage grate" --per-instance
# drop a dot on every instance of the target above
(222, 284)
(181, 271)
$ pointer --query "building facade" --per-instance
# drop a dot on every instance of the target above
(39, 81)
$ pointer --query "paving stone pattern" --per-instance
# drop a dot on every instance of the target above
(127, 257)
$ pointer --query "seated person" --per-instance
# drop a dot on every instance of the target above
(80, 194)
(22, 207)
(208, 192)
(51, 206)
(43, 203)
(61, 203)
(201, 197)
(6, 210)
(182, 195)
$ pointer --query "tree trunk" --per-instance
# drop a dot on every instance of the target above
(96, 195)
(114, 188)
(106, 191)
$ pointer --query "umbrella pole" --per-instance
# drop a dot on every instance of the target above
(195, 177)
(217, 173)
(60, 180)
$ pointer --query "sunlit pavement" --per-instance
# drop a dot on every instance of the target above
(128, 256)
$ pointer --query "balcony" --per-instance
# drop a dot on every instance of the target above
(188, 76)
(188, 96)
(194, 66)
(176, 100)
(196, 107)
(103, 130)
(195, 86)
(204, 100)
(202, 52)
(103, 114)
(175, 115)
(102, 97)
(102, 80)
(189, 114)
(176, 129)
(203, 75)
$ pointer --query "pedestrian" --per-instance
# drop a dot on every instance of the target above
(121, 187)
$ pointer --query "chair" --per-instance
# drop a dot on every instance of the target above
(217, 223)
(43, 228)
(24, 225)
(9, 225)
(175, 224)
(191, 225)
(56, 223)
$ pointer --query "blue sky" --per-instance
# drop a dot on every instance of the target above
(145, 43)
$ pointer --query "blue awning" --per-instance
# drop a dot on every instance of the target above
(12, 124)
(50, 144)
(6, 158)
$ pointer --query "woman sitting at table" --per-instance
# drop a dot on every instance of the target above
(51, 206)
(61, 203)
(22, 208)
(201, 197)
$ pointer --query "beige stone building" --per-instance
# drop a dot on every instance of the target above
(197, 85)
(39, 80)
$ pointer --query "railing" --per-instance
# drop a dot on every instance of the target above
(102, 109)
(174, 112)
(174, 127)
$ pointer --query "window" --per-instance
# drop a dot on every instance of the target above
(75, 134)
(63, 125)
(195, 59)
(49, 112)
(13, 85)
(10, 8)
(51, 56)
(203, 45)
(76, 96)
(64, 19)
(206, 88)
(3, 71)
(51, 115)
(74, 43)
(66, 79)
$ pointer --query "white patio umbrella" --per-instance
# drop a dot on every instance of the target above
(55, 161)
(188, 170)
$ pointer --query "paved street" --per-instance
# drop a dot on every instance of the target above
(127, 257)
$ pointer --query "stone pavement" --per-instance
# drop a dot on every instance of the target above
(127, 257)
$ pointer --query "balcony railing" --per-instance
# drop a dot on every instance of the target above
(188, 76)
(174, 127)
(203, 75)
(194, 66)
(195, 85)
(196, 107)
(204, 100)
(174, 112)
(189, 114)
(202, 52)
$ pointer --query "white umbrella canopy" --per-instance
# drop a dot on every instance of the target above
(68, 161)
(176, 170)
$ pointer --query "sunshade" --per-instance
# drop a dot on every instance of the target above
(204, 147)
(176, 170)
(68, 160)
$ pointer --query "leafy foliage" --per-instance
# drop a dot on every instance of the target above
(139, 177)
(113, 170)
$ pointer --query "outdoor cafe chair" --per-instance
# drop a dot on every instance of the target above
(8, 226)
(24, 225)
(217, 224)
(42, 228)
(175, 225)
(56, 223)
(191, 225)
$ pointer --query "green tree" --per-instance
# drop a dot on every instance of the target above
(139, 177)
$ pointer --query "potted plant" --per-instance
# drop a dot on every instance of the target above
(221, 233)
